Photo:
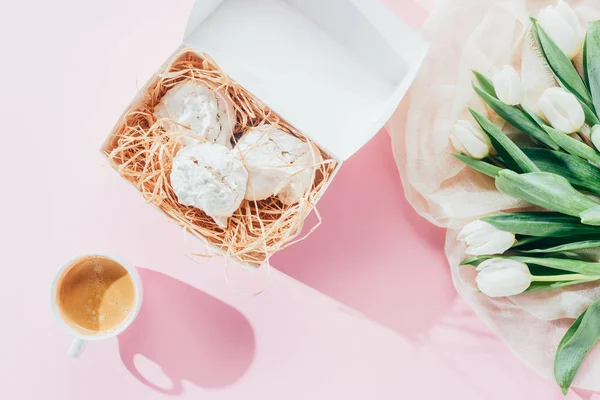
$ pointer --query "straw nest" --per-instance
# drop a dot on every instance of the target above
(142, 152)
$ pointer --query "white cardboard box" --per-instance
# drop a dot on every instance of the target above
(336, 70)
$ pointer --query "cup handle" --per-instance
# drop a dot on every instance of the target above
(76, 348)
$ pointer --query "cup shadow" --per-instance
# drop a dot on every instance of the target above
(372, 251)
(187, 334)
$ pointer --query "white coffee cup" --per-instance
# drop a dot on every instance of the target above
(79, 339)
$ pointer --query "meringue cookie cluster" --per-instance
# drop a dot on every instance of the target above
(193, 107)
(212, 175)
(208, 176)
(278, 164)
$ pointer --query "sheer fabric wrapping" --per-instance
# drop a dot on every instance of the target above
(483, 35)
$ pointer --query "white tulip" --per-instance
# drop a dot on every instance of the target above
(482, 238)
(595, 136)
(562, 110)
(499, 277)
(508, 86)
(561, 24)
(469, 139)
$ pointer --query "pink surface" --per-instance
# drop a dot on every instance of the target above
(386, 325)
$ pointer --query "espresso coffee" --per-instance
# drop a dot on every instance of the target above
(95, 294)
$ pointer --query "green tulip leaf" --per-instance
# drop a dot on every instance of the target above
(511, 154)
(590, 114)
(541, 224)
(485, 84)
(586, 74)
(475, 261)
(537, 287)
(573, 146)
(591, 269)
(591, 55)
(563, 264)
(586, 244)
(580, 173)
(526, 241)
(478, 165)
(575, 345)
(543, 189)
(591, 216)
(548, 243)
(566, 338)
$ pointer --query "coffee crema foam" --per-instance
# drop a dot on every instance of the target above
(95, 294)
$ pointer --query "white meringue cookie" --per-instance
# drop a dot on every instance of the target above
(206, 112)
(209, 177)
(278, 164)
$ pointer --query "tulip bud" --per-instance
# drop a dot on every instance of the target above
(483, 238)
(499, 277)
(561, 24)
(595, 136)
(562, 110)
(508, 86)
(470, 140)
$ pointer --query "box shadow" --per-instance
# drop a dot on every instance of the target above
(372, 251)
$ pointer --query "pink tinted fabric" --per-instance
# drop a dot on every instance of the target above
(70, 69)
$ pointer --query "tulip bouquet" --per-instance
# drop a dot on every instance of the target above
(558, 171)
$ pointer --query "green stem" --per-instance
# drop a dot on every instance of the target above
(559, 278)
(586, 139)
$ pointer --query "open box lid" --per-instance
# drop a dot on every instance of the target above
(334, 69)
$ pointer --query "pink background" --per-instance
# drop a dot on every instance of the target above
(364, 308)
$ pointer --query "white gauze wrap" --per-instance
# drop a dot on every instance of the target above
(209, 177)
(483, 35)
(278, 164)
(197, 109)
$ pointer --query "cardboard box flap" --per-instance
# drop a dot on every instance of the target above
(335, 69)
